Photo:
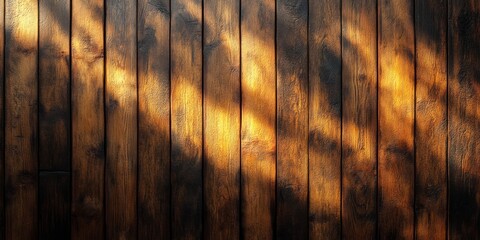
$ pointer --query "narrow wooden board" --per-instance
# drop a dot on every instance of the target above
(54, 205)
(186, 102)
(292, 119)
(463, 119)
(359, 119)
(431, 119)
(21, 120)
(121, 119)
(258, 151)
(325, 119)
(2, 120)
(153, 118)
(221, 74)
(88, 123)
(396, 111)
(54, 85)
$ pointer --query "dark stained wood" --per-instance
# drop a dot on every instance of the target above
(21, 121)
(54, 205)
(359, 119)
(153, 117)
(431, 119)
(54, 85)
(292, 119)
(258, 140)
(186, 91)
(2, 120)
(463, 119)
(396, 103)
(325, 99)
(88, 128)
(221, 99)
(121, 120)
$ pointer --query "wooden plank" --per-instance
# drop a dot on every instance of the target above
(186, 90)
(396, 116)
(258, 151)
(325, 99)
(2, 120)
(54, 205)
(88, 128)
(221, 61)
(359, 119)
(431, 119)
(154, 119)
(121, 119)
(54, 85)
(292, 119)
(21, 104)
(463, 119)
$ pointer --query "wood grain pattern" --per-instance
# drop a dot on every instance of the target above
(88, 123)
(359, 119)
(396, 103)
(186, 84)
(54, 85)
(325, 99)
(431, 119)
(292, 119)
(2, 120)
(121, 119)
(21, 120)
(221, 99)
(54, 205)
(463, 119)
(258, 140)
(154, 119)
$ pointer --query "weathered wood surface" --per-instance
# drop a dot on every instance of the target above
(239, 119)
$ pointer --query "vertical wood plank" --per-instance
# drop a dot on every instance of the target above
(121, 116)
(359, 119)
(221, 59)
(396, 116)
(325, 101)
(258, 151)
(54, 85)
(463, 119)
(292, 119)
(54, 205)
(88, 124)
(431, 119)
(186, 90)
(154, 119)
(21, 120)
(54, 118)
(2, 120)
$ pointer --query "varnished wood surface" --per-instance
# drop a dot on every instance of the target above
(239, 119)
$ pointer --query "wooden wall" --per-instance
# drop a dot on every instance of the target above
(240, 119)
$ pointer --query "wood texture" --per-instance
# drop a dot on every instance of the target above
(21, 120)
(292, 119)
(54, 205)
(121, 119)
(431, 119)
(54, 85)
(154, 118)
(359, 119)
(186, 91)
(88, 122)
(325, 99)
(463, 119)
(2, 120)
(258, 140)
(396, 111)
(221, 99)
